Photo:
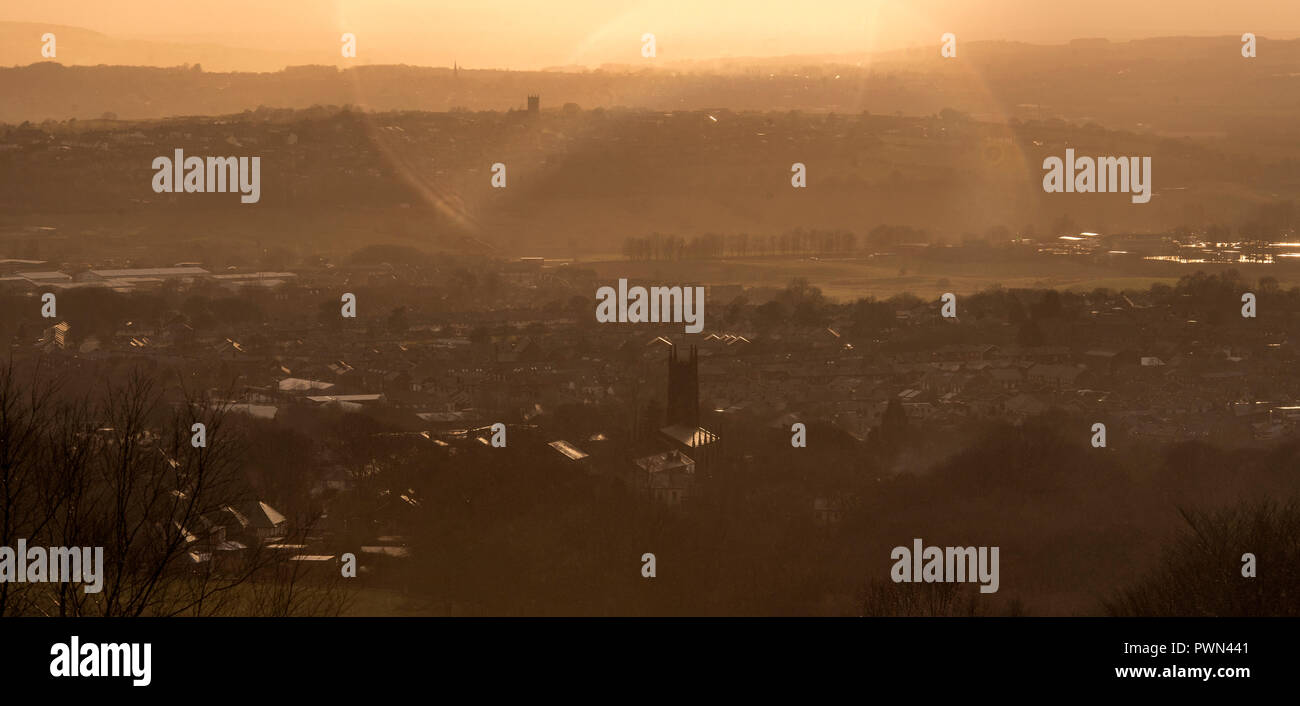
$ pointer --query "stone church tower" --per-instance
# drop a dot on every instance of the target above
(683, 389)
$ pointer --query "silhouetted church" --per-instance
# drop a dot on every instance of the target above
(682, 428)
(689, 452)
(683, 389)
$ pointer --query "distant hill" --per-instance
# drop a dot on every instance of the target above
(1174, 86)
(583, 181)
(20, 45)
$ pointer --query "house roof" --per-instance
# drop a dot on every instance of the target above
(569, 450)
(52, 275)
(238, 517)
(153, 272)
(345, 398)
(667, 461)
(263, 516)
(686, 435)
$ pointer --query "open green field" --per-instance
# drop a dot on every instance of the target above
(847, 279)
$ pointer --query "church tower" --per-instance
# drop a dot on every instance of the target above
(683, 389)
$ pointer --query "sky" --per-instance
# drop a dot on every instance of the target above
(531, 34)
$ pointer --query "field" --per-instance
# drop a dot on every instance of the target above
(847, 279)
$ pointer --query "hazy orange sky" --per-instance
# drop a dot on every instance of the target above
(532, 34)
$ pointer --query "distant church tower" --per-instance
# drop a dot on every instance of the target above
(683, 389)
(534, 104)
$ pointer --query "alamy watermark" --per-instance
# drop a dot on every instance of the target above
(108, 659)
(946, 565)
(215, 175)
(84, 565)
(1098, 175)
(637, 305)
